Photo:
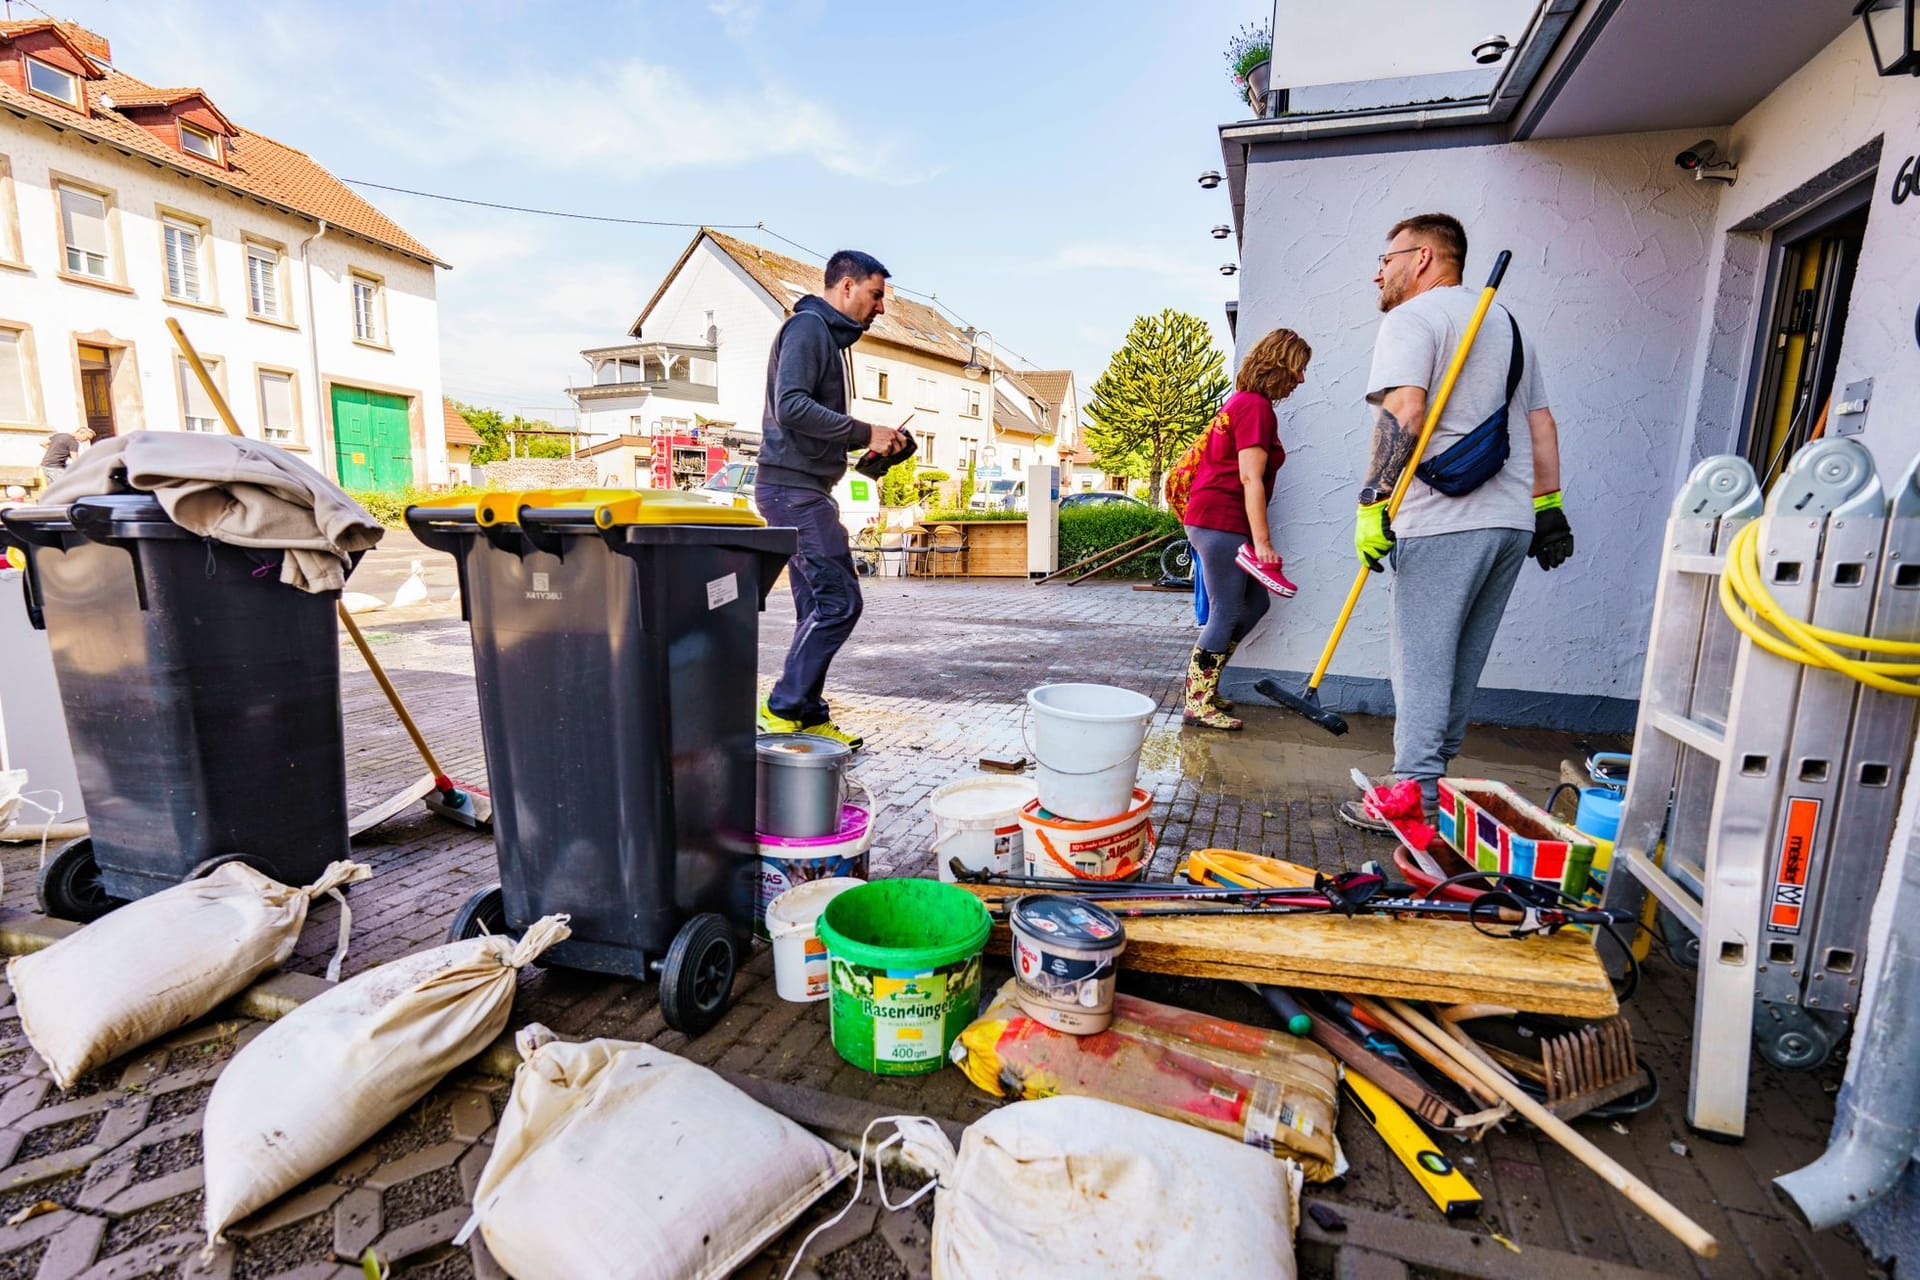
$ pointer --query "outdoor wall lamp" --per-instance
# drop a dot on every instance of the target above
(974, 369)
(1222, 231)
(1890, 34)
(1210, 179)
(1228, 268)
(1491, 50)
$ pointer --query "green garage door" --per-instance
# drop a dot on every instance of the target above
(372, 440)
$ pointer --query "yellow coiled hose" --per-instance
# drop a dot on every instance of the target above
(1743, 587)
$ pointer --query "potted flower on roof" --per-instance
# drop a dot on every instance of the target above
(1250, 61)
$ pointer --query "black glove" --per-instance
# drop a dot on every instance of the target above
(876, 465)
(1552, 538)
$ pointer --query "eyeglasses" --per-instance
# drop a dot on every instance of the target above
(1391, 252)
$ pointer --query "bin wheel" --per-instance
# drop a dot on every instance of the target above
(696, 979)
(70, 887)
(219, 860)
(484, 913)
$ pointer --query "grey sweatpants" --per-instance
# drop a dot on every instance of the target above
(1235, 600)
(1449, 592)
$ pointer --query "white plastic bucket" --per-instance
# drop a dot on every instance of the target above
(1086, 742)
(799, 957)
(788, 861)
(1113, 849)
(977, 820)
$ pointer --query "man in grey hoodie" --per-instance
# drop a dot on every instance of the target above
(805, 438)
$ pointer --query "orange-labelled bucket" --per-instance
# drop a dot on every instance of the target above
(1106, 849)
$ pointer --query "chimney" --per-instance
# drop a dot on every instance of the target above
(96, 46)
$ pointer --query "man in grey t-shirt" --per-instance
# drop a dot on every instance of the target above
(1455, 558)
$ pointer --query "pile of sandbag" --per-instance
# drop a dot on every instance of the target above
(158, 963)
(320, 1081)
(621, 1161)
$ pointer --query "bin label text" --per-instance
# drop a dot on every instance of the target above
(723, 591)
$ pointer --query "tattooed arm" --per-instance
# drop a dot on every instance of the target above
(1397, 420)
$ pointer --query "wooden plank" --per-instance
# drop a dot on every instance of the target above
(1443, 961)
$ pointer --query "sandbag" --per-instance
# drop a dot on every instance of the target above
(1275, 1092)
(1068, 1187)
(161, 961)
(623, 1162)
(320, 1081)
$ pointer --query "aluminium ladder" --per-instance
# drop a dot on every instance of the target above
(1762, 792)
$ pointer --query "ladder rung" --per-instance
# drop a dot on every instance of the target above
(1671, 893)
(1703, 738)
(1699, 562)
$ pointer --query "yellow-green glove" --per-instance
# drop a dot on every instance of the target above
(1372, 534)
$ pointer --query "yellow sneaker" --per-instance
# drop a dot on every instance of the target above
(828, 729)
(771, 723)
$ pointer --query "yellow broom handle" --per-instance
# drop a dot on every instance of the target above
(353, 629)
(1434, 410)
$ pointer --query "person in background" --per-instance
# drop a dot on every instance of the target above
(62, 448)
(806, 437)
(1226, 517)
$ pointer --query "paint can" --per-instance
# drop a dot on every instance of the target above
(977, 820)
(1114, 849)
(799, 957)
(802, 784)
(787, 861)
(1086, 741)
(1065, 956)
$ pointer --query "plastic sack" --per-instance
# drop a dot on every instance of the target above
(1275, 1092)
(159, 962)
(623, 1162)
(320, 1081)
(1079, 1187)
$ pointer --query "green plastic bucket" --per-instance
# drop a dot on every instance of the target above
(903, 960)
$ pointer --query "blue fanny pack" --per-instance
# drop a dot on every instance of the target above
(1477, 457)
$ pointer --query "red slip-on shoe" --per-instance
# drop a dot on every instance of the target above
(1267, 575)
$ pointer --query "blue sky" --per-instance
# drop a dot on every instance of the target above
(1033, 164)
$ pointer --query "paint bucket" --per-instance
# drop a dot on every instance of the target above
(802, 784)
(903, 962)
(977, 820)
(786, 861)
(799, 957)
(1064, 955)
(1086, 741)
(1113, 849)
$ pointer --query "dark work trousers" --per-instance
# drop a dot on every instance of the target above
(826, 597)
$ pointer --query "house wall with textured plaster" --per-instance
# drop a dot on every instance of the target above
(1610, 250)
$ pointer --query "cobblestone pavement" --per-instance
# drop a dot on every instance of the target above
(103, 1181)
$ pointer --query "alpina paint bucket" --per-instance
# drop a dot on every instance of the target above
(903, 962)
(799, 957)
(1115, 849)
(977, 820)
(786, 861)
(1065, 951)
(1086, 743)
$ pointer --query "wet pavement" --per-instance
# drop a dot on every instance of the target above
(935, 677)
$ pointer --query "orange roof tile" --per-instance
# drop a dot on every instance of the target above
(258, 166)
(458, 431)
(68, 34)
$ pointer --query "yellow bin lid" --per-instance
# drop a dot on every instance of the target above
(610, 507)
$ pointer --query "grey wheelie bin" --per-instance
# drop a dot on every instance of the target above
(202, 696)
(614, 642)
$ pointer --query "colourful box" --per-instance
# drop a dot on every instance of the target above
(1479, 817)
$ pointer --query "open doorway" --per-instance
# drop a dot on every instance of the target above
(96, 389)
(1814, 260)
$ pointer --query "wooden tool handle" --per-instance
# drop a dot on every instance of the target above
(1429, 1053)
(1644, 1197)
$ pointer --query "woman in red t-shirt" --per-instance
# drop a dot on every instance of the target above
(1226, 517)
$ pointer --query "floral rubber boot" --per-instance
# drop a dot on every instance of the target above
(1203, 680)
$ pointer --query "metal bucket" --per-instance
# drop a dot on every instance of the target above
(803, 785)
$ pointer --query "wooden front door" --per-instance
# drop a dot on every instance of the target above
(373, 440)
(96, 390)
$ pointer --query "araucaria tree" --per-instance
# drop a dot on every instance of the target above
(1157, 393)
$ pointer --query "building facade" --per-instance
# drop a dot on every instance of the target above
(696, 370)
(123, 205)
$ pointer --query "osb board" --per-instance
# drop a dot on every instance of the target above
(1445, 961)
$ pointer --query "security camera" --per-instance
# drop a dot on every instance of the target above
(1703, 161)
(1210, 179)
(1491, 50)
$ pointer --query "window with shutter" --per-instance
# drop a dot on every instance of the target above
(923, 397)
(83, 223)
(13, 377)
(276, 407)
(183, 260)
(263, 281)
(196, 406)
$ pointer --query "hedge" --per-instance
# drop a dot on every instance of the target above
(1089, 529)
(390, 508)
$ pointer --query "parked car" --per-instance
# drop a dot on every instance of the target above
(1105, 498)
(735, 480)
(999, 495)
(732, 486)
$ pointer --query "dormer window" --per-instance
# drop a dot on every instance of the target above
(198, 142)
(50, 81)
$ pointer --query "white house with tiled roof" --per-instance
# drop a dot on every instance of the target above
(123, 205)
(697, 362)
